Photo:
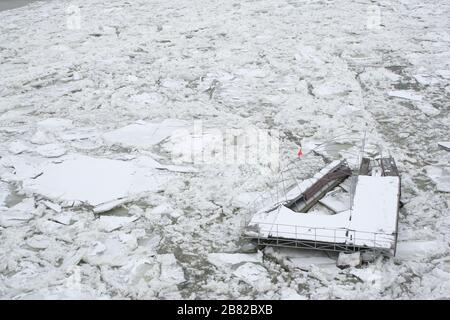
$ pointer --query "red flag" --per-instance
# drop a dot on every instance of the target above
(300, 153)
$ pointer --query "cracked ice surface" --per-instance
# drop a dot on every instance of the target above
(92, 181)
(312, 69)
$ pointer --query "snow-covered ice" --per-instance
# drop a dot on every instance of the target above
(92, 181)
(52, 150)
(18, 147)
(92, 115)
(144, 135)
(4, 192)
(349, 259)
(440, 176)
(444, 145)
(405, 95)
(18, 214)
(230, 259)
(111, 223)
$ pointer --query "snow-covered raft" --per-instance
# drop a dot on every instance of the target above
(369, 223)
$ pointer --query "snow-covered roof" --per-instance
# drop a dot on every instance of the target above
(371, 222)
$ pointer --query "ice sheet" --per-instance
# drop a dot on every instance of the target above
(93, 181)
(236, 63)
(144, 135)
(444, 145)
(405, 95)
(4, 192)
(230, 259)
(440, 176)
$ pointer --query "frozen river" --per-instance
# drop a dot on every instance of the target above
(81, 98)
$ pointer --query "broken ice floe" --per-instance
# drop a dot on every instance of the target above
(171, 272)
(349, 259)
(444, 145)
(247, 199)
(52, 150)
(53, 206)
(39, 241)
(18, 214)
(93, 181)
(20, 168)
(144, 135)
(440, 176)
(107, 206)
(230, 259)
(49, 130)
(63, 218)
(79, 134)
(427, 108)
(253, 274)
(420, 249)
(425, 79)
(17, 147)
(166, 210)
(302, 259)
(42, 137)
(109, 251)
(443, 73)
(111, 223)
(163, 208)
(405, 95)
(54, 124)
(291, 294)
(156, 276)
(247, 267)
(330, 89)
(4, 192)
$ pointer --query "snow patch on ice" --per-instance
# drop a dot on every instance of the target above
(4, 192)
(230, 259)
(302, 259)
(93, 181)
(17, 147)
(54, 124)
(111, 223)
(440, 176)
(420, 249)
(144, 135)
(427, 108)
(52, 150)
(253, 274)
(18, 214)
(405, 95)
(444, 145)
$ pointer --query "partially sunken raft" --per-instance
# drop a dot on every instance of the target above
(371, 222)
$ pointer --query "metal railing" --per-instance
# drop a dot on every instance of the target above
(336, 239)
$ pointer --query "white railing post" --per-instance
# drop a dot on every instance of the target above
(334, 240)
(315, 238)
